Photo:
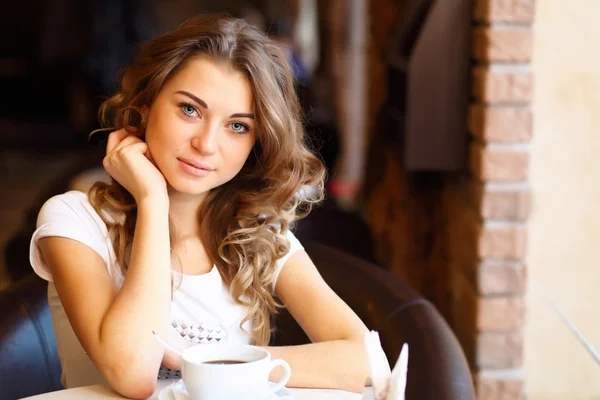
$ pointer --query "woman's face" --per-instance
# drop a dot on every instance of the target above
(201, 128)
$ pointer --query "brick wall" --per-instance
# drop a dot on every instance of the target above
(461, 238)
(500, 122)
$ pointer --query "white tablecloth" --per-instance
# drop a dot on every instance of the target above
(98, 392)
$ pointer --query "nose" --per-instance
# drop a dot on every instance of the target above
(206, 139)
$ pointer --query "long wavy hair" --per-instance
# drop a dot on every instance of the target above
(244, 221)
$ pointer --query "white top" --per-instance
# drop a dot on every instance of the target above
(202, 310)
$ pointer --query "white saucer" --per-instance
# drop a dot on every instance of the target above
(166, 394)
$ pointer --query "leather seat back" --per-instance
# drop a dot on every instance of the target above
(29, 362)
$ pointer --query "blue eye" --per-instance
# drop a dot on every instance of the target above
(238, 127)
(188, 109)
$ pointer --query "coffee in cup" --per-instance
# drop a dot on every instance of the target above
(229, 371)
(225, 362)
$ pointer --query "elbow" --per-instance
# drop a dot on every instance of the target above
(140, 386)
(133, 379)
(136, 389)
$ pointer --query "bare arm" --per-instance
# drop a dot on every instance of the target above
(336, 358)
(115, 328)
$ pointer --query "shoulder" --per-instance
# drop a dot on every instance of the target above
(288, 236)
(295, 245)
(70, 207)
(69, 215)
(73, 201)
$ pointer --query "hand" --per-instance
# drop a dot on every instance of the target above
(171, 360)
(129, 162)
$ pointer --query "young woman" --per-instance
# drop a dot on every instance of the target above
(192, 238)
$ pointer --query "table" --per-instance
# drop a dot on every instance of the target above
(98, 392)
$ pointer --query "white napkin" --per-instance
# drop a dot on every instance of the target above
(378, 364)
(387, 385)
(398, 379)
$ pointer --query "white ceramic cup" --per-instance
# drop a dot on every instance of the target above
(247, 380)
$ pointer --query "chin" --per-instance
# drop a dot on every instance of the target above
(191, 188)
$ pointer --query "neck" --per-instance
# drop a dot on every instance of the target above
(183, 211)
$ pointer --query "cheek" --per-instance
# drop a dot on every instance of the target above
(244, 152)
(235, 158)
(151, 139)
(157, 137)
(158, 121)
(157, 146)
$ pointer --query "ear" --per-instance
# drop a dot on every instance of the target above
(144, 111)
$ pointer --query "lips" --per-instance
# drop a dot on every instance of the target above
(197, 164)
(195, 168)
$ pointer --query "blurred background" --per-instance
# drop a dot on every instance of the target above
(463, 134)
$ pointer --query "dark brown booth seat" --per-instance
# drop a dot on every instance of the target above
(437, 368)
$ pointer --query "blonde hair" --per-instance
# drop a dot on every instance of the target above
(244, 221)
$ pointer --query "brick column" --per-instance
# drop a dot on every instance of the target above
(461, 237)
(496, 206)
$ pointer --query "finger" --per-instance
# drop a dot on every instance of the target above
(114, 139)
(130, 150)
(128, 141)
(124, 152)
(137, 147)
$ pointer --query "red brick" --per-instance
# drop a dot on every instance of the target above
(503, 242)
(501, 202)
(494, 44)
(500, 313)
(500, 350)
(498, 165)
(501, 124)
(514, 11)
(501, 278)
(505, 205)
(502, 85)
(498, 385)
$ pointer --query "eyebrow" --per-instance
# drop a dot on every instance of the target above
(193, 97)
(242, 115)
(205, 106)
